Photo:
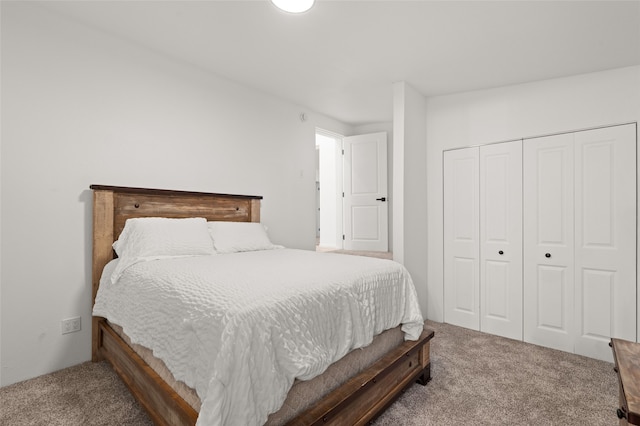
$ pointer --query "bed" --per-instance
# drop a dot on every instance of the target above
(357, 400)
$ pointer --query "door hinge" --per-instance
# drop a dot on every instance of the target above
(342, 236)
(343, 152)
(343, 195)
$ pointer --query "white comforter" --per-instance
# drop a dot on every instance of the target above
(239, 328)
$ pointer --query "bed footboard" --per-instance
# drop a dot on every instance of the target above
(358, 401)
(368, 394)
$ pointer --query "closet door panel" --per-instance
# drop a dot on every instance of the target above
(501, 239)
(461, 247)
(553, 296)
(548, 241)
(605, 223)
(495, 298)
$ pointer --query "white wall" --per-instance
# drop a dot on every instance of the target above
(80, 107)
(545, 107)
(409, 180)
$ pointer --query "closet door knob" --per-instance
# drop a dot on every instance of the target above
(547, 255)
(500, 252)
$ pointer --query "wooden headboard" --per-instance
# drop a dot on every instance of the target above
(113, 205)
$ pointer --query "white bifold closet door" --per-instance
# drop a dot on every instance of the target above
(580, 240)
(605, 224)
(549, 242)
(483, 238)
(461, 238)
(501, 239)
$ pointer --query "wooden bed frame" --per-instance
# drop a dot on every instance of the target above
(358, 401)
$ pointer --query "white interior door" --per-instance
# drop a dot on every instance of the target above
(365, 192)
(461, 238)
(501, 239)
(605, 237)
(549, 241)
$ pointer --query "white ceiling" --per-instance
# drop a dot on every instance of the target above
(342, 57)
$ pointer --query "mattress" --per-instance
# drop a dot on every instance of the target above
(241, 328)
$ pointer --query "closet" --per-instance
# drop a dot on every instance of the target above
(540, 239)
(483, 238)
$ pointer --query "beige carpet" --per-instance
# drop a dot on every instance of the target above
(478, 379)
(87, 394)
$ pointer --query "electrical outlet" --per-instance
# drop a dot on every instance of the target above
(70, 325)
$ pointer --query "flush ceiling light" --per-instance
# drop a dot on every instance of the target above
(293, 6)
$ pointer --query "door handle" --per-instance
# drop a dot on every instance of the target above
(547, 255)
(383, 199)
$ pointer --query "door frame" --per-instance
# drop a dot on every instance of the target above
(339, 200)
(337, 155)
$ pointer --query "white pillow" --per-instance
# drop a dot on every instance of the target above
(233, 237)
(152, 238)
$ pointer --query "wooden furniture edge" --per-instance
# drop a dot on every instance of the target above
(629, 390)
(134, 190)
(102, 253)
(254, 215)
